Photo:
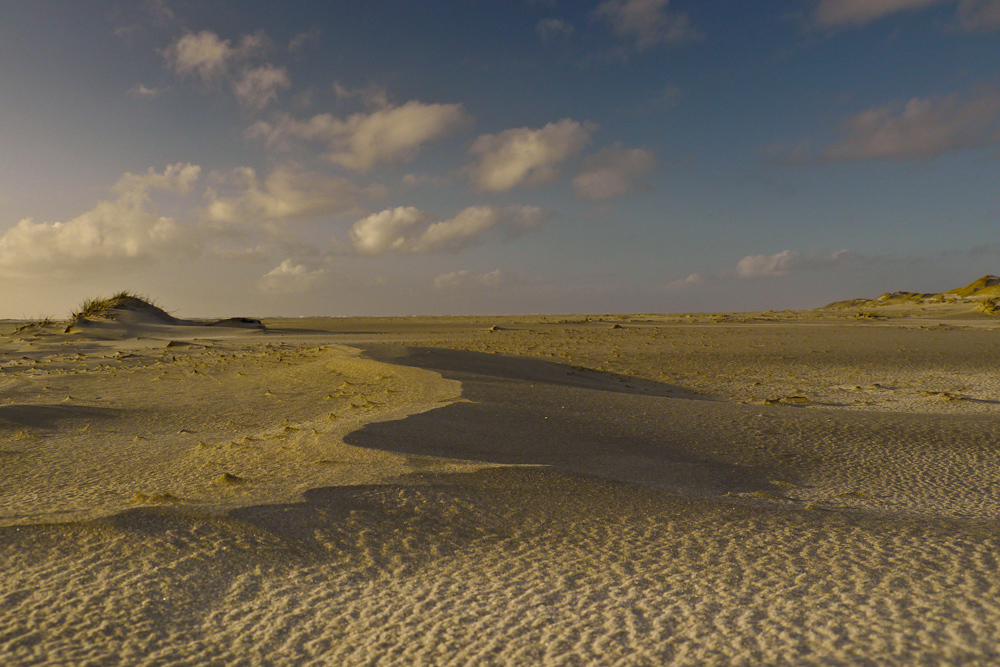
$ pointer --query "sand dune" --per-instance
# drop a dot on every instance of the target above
(735, 489)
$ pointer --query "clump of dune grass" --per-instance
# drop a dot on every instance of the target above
(989, 306)
(123, 300)
(35, 325)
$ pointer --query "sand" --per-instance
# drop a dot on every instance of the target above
(796, 488)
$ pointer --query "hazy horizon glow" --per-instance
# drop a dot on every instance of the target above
(533, 156)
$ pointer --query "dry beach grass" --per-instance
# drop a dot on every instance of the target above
(807, 488)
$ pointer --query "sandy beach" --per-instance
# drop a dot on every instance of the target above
(796, 488)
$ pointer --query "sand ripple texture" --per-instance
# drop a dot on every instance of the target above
(501, 567)
(545, 492)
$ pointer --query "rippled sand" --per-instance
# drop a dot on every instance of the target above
(797, 488)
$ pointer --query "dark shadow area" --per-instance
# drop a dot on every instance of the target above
(461, 365)
(523, 411)
(50, 416)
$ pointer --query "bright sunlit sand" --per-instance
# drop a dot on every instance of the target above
(802, 488)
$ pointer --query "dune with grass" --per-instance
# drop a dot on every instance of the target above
(796, 488)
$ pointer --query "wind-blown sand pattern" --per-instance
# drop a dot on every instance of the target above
(809, 488)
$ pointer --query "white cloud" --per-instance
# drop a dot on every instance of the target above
(291, 278)
(259, 86)
(390, 134)
(788, 261)
(204, 55)
(920, 128)
(116, 230)
(386, 231)
(409, 230)
(613, 172)
(465, 280)
(210, 58)
(692, 280)
(140, 91)
(524, 156)
(285, 193)
(979, 14)
(647, 22)
(178, 178)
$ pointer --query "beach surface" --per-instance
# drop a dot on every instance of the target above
(797, 488)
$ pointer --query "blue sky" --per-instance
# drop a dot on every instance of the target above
(495, 156)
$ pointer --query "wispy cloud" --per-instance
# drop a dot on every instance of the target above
(405, 230)
(612, 172)
(303, 40)
(362, 140)
(840, 13)
(919, 128)
(457, 280)
(159, 11)
(373, 96)
(972, 15)
(552, 27)
(140, 91)
(647, 23)
(259, 86)
(979, 15)
(525, 156)
(922, 127)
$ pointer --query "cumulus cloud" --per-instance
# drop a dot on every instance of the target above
(286, 192)
(208, 57)
(465, 280)
(291, 278)
(839, 13)
(786, 262)
(525, 156)
(390, 134)
(117, 230)
(202, 54)
(409, 230)
(613, 172)
(919, 128)
(647, 22)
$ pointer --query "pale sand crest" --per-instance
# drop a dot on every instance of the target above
(797, 488)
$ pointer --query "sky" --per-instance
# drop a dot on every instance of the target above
(423, 157)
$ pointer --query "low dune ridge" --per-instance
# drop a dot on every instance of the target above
(128, 308)
(795, 488)
(981, 295)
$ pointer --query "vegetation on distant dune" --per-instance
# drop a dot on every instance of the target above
(123, 300)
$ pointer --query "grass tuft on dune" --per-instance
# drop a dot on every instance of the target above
(123, 300)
